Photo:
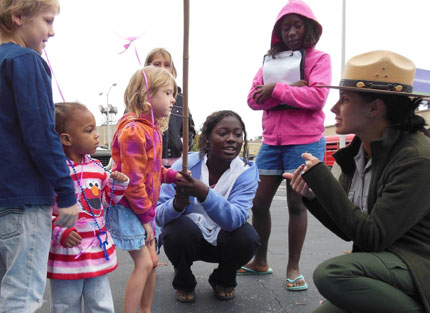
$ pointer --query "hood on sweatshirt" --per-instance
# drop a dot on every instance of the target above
(300, 8)
(128, 117)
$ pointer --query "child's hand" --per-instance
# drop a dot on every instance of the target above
(263, 92)
(119, 177)
(72, 240)
(149, 233)
(300, 83)
(67, 217)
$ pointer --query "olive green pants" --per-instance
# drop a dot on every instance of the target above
(366, 283)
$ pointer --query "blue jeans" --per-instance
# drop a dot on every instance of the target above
(25, 237)
(67, 295)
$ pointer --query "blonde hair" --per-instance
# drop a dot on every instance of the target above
(136, 95)
(164, 53)
(26, 8)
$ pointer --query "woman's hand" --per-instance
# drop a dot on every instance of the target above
(192, 187)
(263, 92)
(296, 179)
(181, 200)
(298, 184)
(180, 178)
(310, 161)
(119, 177)
(149, 240)
(73, 239)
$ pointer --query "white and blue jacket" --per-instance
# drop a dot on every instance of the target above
(230, 214)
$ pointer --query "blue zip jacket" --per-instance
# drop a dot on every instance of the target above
(31, 154)
(229, 214)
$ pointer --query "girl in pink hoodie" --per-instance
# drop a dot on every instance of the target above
(293, 123)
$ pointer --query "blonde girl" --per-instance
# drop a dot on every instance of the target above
(136, 151)
(172, 138)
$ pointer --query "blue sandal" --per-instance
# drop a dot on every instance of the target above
(296, 288)
(249, 271)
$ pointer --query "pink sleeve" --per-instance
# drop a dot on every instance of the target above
(168, 175)
(65, 234)
(57, 232)
(148, 215)
(307, 97)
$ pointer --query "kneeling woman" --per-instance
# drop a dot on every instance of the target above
(205, 216)
(382, 199)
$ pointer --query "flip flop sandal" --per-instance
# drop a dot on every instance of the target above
(220, 292)
(296, 288)
(185, 296)
(249, 271)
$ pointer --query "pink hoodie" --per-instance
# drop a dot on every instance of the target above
(303, 121)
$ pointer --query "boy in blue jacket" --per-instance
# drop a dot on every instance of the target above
(33, 171)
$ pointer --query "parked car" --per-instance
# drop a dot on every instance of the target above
(104, 155)
(332, 145)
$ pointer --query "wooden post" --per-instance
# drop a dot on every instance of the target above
(185, 114)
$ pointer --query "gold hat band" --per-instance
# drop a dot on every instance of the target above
(367, 84)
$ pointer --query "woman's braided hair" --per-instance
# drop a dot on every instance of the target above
(210, 123)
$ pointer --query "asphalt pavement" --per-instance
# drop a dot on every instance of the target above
(254, 294)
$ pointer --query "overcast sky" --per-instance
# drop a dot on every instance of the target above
(228, 39)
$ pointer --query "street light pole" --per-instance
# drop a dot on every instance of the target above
(108, 114)
(342, 141)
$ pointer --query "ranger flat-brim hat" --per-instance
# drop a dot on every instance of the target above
(379, 71)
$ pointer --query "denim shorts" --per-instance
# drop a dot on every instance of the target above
(126, 228)
(276, 160)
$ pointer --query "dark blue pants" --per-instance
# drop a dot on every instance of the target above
(184, 243)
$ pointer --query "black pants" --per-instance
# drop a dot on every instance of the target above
(184, 243)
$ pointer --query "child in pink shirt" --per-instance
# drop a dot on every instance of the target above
(81, 257)
(285, 88)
